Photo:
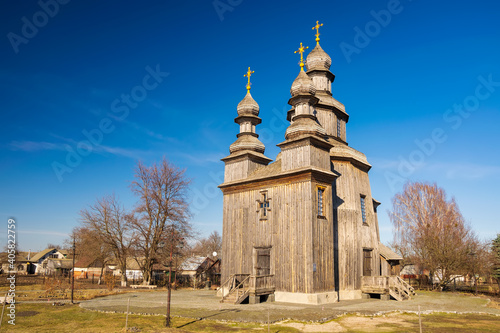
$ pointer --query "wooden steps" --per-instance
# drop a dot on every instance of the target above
(394, 286)
(240, 286)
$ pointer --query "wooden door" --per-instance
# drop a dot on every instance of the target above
(262, 261)
(367, 262)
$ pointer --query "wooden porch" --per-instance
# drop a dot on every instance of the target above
(388, 286)
(239, 287)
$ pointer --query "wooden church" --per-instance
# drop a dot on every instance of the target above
(303, 228)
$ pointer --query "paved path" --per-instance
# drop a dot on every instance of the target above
(204, 304)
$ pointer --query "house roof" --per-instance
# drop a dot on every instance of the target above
(132, 263)
(387, 253)
(409, 270)
(41, 254)
(192, 263)
(20, 257)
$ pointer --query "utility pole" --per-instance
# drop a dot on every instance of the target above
(73, 272)
(167, 323)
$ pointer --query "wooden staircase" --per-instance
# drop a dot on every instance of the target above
(399, 289)
(394, 286)
(239, 287)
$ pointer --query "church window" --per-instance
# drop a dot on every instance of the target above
(264, 205)
(363, 209)
(339, 127)
(367, 262)
(321, 197)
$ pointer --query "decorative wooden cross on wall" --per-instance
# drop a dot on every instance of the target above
(264, 205)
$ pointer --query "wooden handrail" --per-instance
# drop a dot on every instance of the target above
(247, 283)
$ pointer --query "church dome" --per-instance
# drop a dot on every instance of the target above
(318, 59)
(248, 106)
(247, 142)
(303, 85)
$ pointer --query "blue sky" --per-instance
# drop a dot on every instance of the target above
(420, 80)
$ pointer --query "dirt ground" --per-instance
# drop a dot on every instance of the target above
(204, 304)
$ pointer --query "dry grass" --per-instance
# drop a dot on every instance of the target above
(72, 318)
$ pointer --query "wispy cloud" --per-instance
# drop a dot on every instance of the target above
(144, 130)
(32, 146)
(468, 171)
(200, 158)
(43, 232)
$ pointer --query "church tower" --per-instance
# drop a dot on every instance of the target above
(247, 152)
(304, 228)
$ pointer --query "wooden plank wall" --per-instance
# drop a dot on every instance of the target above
(323, 241)
(328, 120)
(290, 229)
(304, 156)
(353, 236)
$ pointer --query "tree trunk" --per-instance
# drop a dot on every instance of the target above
(100, 276)
(123, 268)
(146, 278)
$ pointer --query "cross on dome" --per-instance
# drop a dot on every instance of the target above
(317, 26)
(248, 74)
(301, 51)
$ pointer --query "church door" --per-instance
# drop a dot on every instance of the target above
(367, 262)
(262, 261)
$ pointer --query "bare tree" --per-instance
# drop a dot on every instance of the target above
(162, 214)
(429, 230)
(90, 250)
(111, 224)
(207, 246)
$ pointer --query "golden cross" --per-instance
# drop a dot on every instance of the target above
(301, 51)
(248, 74)
(317, 30)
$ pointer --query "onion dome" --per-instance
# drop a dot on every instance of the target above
(318, 59)
(248, 106)
(247, 142)
(303, 85)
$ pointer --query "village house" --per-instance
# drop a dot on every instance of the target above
(21, 263)
(39, 262)
(195, 270)
(302, 228)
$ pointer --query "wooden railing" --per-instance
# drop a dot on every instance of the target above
(403, 285)
(241, 284)
(393, 285)
(375, 282)
(258, 282)
(234, 283)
